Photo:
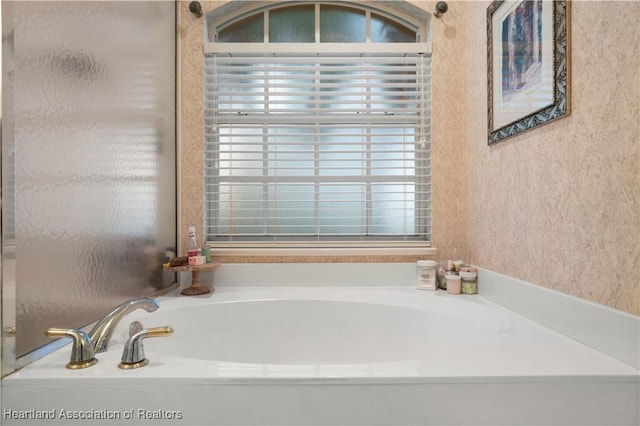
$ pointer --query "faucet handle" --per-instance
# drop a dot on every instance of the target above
(135, 327)
(82, 352)
(133, 352)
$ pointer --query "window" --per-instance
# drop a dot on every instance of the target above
(317, 127)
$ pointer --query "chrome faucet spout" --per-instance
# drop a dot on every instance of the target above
(101, 333)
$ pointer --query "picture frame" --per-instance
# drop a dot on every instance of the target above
(528, 65)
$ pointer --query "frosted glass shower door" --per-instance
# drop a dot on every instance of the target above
(92, 149)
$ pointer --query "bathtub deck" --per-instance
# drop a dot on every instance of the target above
(540, 354)
(540, 377)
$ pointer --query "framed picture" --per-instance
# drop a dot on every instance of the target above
(528, 64)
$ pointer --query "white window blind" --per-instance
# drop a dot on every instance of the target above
(317, 148)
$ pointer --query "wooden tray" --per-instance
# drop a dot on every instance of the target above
(195, 289)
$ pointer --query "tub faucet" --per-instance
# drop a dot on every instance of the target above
(101, 333)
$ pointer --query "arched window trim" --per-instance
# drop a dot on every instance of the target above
(419, 21)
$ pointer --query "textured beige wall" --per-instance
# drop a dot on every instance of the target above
(451, 108)
(190, 121)
(557, 206)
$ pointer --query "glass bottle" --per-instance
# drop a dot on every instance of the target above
(193, 249)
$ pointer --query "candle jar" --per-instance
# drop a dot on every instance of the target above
(453, 283)
(469, 280)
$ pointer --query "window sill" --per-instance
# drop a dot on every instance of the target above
(295, 250)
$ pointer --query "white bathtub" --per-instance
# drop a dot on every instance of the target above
(346, 355)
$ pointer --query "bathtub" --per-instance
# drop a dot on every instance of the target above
(363, 355)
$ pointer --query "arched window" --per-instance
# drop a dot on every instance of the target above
(297, 23)
(317, 125)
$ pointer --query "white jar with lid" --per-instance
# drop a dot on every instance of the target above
(426, 275)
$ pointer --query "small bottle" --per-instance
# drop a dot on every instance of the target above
(469, 278)
(206, 252)
(193, 249)
(426, 275)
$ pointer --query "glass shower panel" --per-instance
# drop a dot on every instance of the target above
(94, 159)
(7, 259)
